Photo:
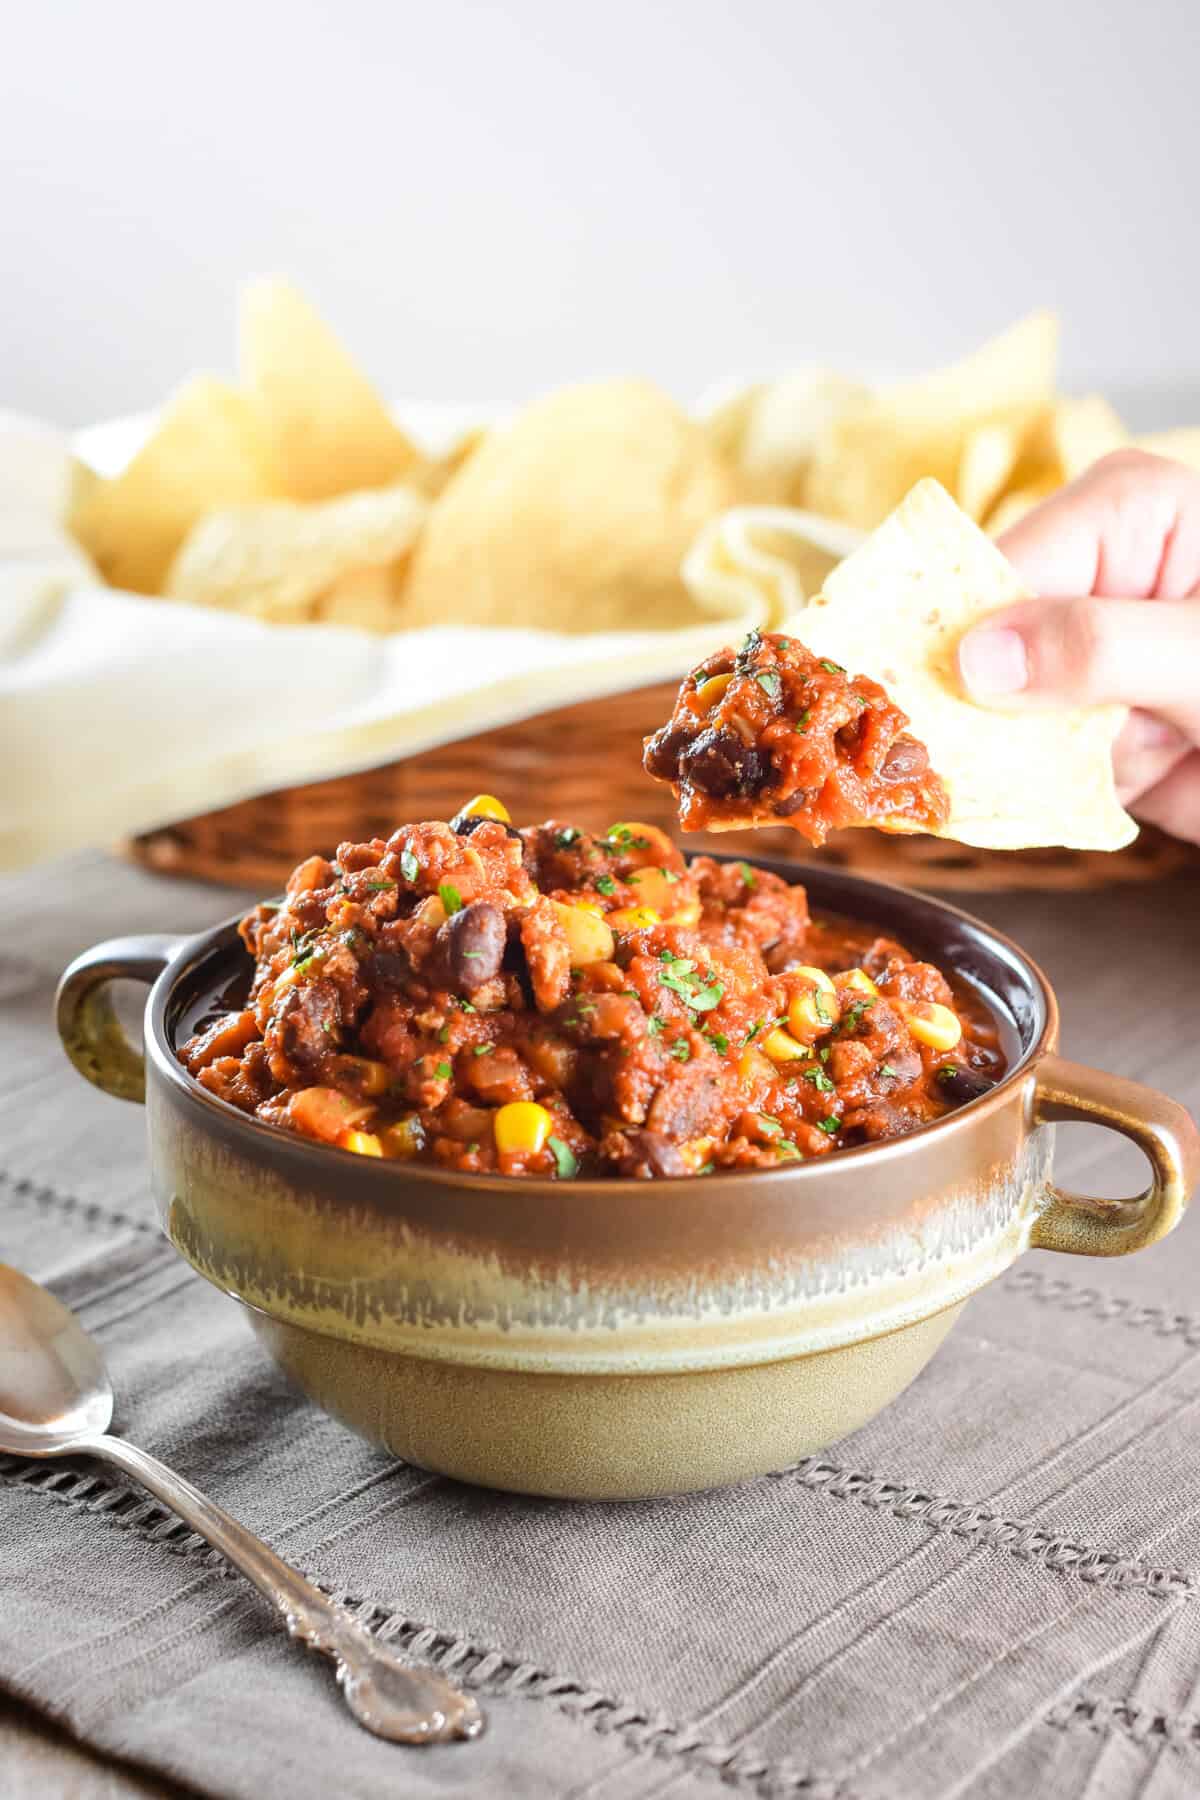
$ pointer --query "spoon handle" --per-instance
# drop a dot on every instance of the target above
(394, 1699)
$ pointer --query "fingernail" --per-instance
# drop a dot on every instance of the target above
(992, 661)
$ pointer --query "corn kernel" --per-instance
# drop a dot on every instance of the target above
(753, 1066)
(589, 935)
(710, 691)
(815, 1008)
(818, 977)
(363, 1075)
(634, 918)
(522, 1125)
(404, 1138)
(486, 806)
(935, 1025)
(782, 1047)
(858, 978)
(686, 915)
(363, 1143)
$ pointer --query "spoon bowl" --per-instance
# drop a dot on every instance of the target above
(54, 1387)
(56, 1399)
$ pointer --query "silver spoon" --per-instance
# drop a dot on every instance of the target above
(56, 1400)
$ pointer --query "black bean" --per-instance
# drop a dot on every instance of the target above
(905, 759)
(720, 765)
(463, 824)
(648, 1153)
(784, 809)
(660, 755)
(473, 941)
(962, 1084)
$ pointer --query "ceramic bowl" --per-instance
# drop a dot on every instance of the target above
(618, 1338)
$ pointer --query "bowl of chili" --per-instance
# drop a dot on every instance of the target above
(556, 1163)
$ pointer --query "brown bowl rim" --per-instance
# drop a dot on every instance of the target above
(290, 1149)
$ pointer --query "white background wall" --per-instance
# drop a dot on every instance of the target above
(490, 198)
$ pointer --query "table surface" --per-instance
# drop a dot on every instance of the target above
(1124, 963)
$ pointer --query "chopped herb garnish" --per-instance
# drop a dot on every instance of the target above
(444, 1035)
(832, 667)
(410, 868)
(887, 1069)
(566, 837)
(463, 1005)
(763, 1025)
(824, 1054)
(696, 988)
(565, 1160)
(605, 884)
(656, 1024)
(830, 1125)
(820, 1080)
(483, 1049)
(379, 884)
(443, 1071)
(718, 1040)
(854, 1013)
(585, 1007)
(786, 1148)
(706, 1168)
(627, 840)
(802, 721)
(770, 683)
(681, 1050)
(749, 879)
(820, 1008)
(671, 876)
(327, 1027)
(770, 1126)
(450, 897)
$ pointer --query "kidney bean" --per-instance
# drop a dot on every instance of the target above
(784, 809)
(474, 941)
(649, 1153)
(720, 765)
(905, 759)
(660, 756)
(463, 824)
(962, 1084)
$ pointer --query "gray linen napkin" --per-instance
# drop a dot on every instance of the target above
(988, 1591)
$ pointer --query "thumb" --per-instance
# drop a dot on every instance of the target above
(1143, 653)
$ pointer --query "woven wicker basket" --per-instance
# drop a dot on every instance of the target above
(581, 764)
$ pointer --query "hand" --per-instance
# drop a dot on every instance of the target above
(1115, 559)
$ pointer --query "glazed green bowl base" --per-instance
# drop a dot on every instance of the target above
(602, 1437)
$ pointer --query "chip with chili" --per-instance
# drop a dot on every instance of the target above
(773, 735)
(897, 606)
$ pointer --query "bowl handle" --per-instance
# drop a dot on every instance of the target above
(91, 1033)
(1160, 1127)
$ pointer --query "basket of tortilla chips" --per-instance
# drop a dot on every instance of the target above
(294, 497)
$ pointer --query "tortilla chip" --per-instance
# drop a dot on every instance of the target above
(764, 562)
(772, 433)
(989, 456)
(206, 451)
(335, 561)
(328, 430)
(575, 518)
(896, 609)
(868, 459)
